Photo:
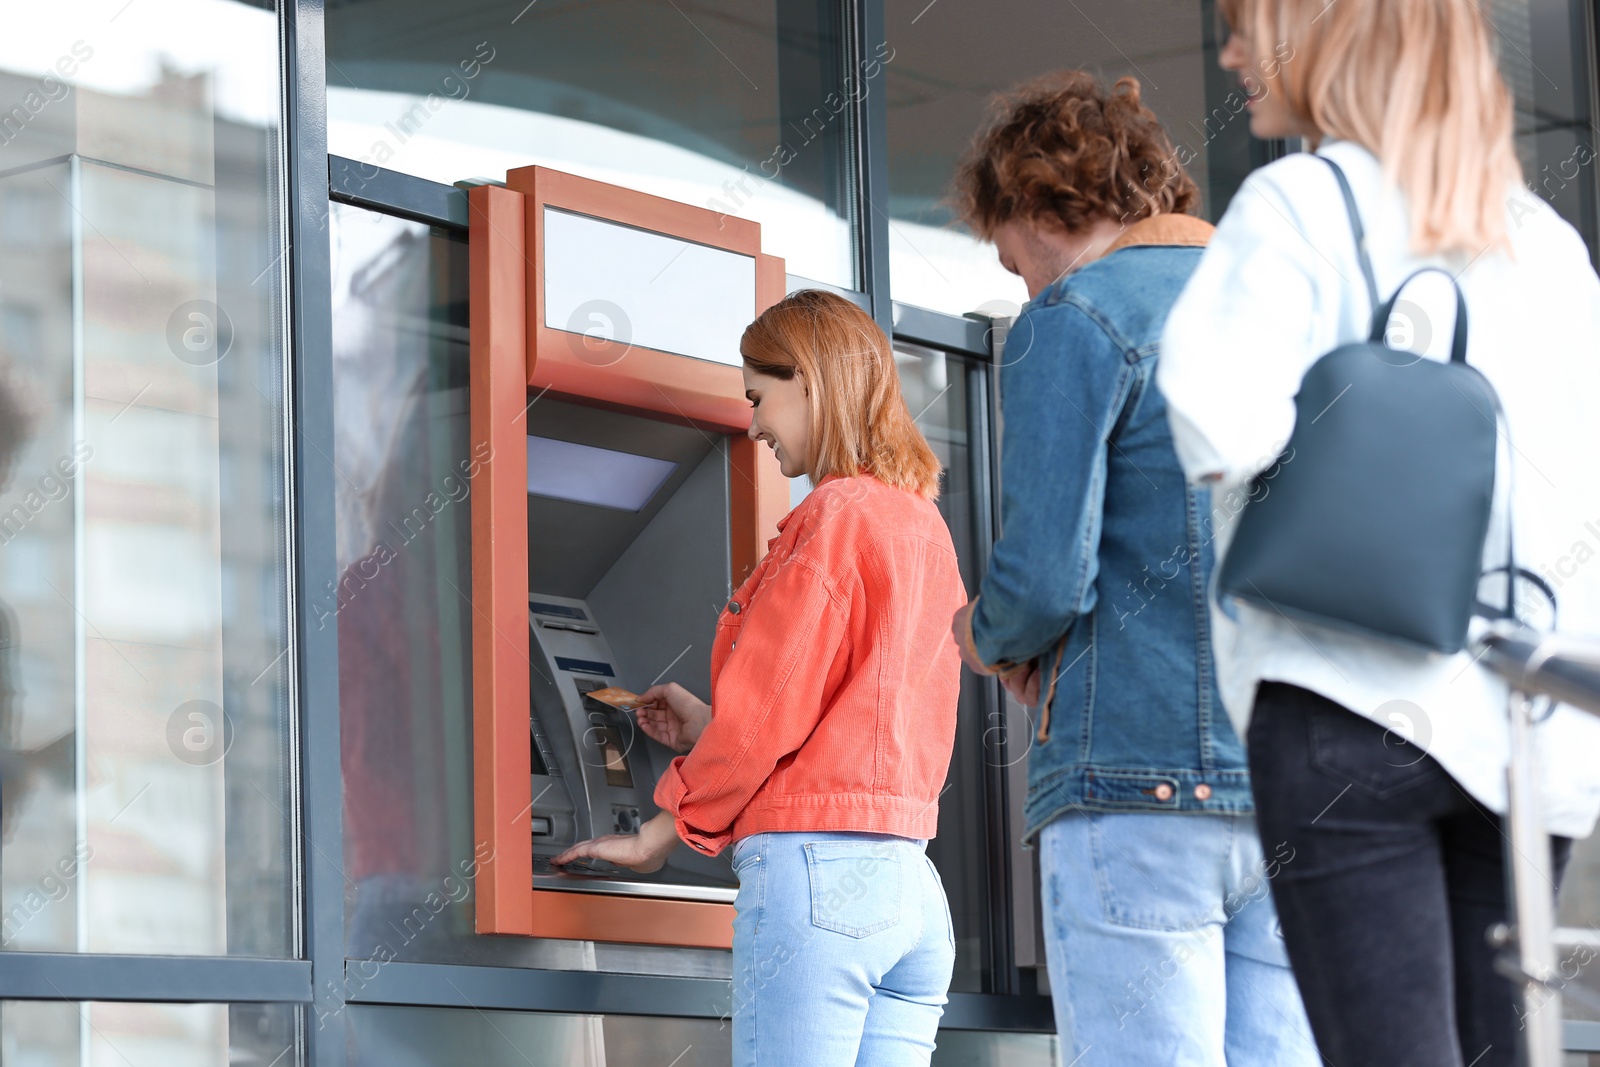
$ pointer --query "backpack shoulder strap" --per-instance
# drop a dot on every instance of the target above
(1357, 230)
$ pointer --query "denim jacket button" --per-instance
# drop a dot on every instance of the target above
(1202, 792)
(733, 606)
(1163, 792)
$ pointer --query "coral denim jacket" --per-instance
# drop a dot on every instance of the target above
(834, 677)
(1105, 554)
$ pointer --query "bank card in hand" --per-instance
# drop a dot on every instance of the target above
(618, 697)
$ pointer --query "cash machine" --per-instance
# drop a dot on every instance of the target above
(628, 567)
(616, 504)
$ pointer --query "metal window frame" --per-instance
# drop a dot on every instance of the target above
(321, 800)
(866, 20)
(1587, 45)
(186, 979)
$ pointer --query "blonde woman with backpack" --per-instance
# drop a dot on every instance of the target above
(1382, 768)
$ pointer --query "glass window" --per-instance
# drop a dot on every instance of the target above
(72, 1034)
(1545, 57)
(1580, 907)
(975, 1048)
(948, 60)
(743, 108)
(144, 671)
(939, 390)
(381, 1036)
(1546, 53)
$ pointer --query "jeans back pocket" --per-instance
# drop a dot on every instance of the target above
(855, 886)
(1378, 761)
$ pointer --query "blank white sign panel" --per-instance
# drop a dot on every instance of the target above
(637, 287)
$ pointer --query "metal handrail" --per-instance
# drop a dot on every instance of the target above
(1566, 671)
(1550, 665)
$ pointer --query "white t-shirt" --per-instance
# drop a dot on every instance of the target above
(1278, 287)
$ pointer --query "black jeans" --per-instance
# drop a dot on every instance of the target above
(1395, 875)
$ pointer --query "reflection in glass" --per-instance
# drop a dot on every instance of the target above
(68, 1034)
(739, 107)
(1580, 907)
(144, 675)
(1544, 51)
(422, 1037)
(951, 58)
(606, 280)
(1545, 57)
(971, 1048)
(937, 388)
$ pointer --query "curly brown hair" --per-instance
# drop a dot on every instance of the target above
(1063, 150)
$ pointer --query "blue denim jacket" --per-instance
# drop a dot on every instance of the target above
(1105, 554)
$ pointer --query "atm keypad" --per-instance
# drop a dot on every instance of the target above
(591, 867)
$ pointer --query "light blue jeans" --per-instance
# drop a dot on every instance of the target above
(842, 951)
(1163, 943)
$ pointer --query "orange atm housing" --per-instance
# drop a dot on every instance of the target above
(517, 361)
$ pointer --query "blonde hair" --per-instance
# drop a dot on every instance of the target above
(859, 421)
(1416, 84)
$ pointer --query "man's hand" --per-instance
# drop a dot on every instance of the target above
(1020, 679)
(644, 851)
(961, 629)
(1022, 682)
(673, 715)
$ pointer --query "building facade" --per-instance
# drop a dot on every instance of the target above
(237, 612)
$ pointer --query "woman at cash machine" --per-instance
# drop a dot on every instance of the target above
(834, 682)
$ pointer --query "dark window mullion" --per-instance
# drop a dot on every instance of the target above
(321, 800)
(152, 979)
(872, 157)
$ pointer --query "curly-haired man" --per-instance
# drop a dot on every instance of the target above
(1162, 942)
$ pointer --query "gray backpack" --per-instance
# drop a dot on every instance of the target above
(1375, 517)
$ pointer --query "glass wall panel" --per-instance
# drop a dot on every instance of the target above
(1580, 906)
(949, 59)
(421, 1037)
(939, 389)
(1546, 56)
(1545, 49)
(974, 1048)
(144, 670)
(75, 1034)
(740, 107)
